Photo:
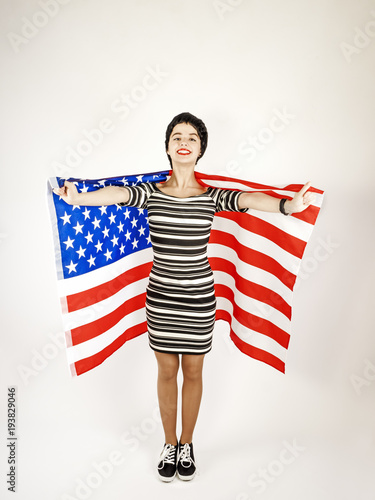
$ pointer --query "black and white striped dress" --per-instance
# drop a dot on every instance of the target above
(180, 300)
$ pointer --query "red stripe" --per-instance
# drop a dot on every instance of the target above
(84, 365)
(253, 185)
(291, 244)
(98, 293)
(250, 289)
(251, 321)
(253, 257)
(101, 325)
(250, 350)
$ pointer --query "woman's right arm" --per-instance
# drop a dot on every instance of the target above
(109, 195)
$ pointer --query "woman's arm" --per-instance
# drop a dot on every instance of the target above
(109, 195)
(266, 203)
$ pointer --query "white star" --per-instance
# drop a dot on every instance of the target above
(135, 243)
(141, 231)
(120, 227)
(78, 228)
(139, 178)
(114, 241)
(103, 210)
(66, 218)
(68, 243)
(102, 182)
(84, 189)
(108, 255)
(125, 181)
(140, 211)
(91, 260)
(148, 239)
(86, 213)
(112, 218)
(98, 246)
(134, 222)
(72, 267)
(96, 223)
(127, 235)
(89, 237)
(122, 249)
(127, 213)
(105, 232)
(81, 251)
(75, 206)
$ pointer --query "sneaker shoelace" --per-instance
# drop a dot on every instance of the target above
(185, 456)
(167, 455)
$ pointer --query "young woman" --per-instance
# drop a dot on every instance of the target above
(180, 303)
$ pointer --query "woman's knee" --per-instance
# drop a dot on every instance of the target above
(168, 365)
(192, 367)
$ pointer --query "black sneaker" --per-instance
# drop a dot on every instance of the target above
(186, 466)
(168, 463)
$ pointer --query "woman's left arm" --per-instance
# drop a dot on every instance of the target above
(266, 203)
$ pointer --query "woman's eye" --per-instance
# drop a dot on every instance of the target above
(192, 139)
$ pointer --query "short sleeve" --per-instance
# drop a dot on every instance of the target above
(138, 195)
(226, 200)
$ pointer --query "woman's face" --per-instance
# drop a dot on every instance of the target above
(184, 144)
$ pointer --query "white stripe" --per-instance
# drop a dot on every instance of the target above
(252, 337)
(177, 221)
(102, 275)
(102, 308)
(259, 243)
(253, 306)
(251, 273)
(97, 344)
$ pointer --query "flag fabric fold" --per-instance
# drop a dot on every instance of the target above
(104, 256)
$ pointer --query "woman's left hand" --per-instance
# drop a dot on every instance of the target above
(301, 200)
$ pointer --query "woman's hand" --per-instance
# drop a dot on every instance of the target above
(301, 200)
(68, 193)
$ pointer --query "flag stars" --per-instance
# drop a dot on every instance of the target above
(68, 243)
(89, 237)
(120, 227)
(86, 213)
(108, 255)
(127, 213)
(96, 223)
(72, 267)
(91, 260)
(122, 249)
(78, 228)
(139, 178)
(134, 222)
(105, 232)
(103, 210)
(81, 252)
(127, 235)
(135, 243)
(112, 218)
(141, 231)
(84, 189)
(140, 211)
(98, 246)
(114, 241)
(66, 218)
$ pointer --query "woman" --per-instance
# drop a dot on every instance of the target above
(180, 302)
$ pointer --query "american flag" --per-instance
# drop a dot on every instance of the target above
(104, 256)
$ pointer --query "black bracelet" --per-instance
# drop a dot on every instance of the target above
(281, 206)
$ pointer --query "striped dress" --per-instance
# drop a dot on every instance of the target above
(180, 299)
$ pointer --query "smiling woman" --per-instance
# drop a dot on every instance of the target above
(180, 298)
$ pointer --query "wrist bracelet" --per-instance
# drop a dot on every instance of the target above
(281, 206)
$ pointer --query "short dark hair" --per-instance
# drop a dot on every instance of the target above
(195, 122)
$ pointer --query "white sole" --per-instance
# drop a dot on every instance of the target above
(186, 478)
(166, 479)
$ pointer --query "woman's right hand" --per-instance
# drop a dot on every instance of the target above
(68, 193)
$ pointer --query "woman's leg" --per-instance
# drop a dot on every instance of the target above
(192, 367)
(168, 365)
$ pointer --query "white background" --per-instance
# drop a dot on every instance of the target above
(232, 63)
